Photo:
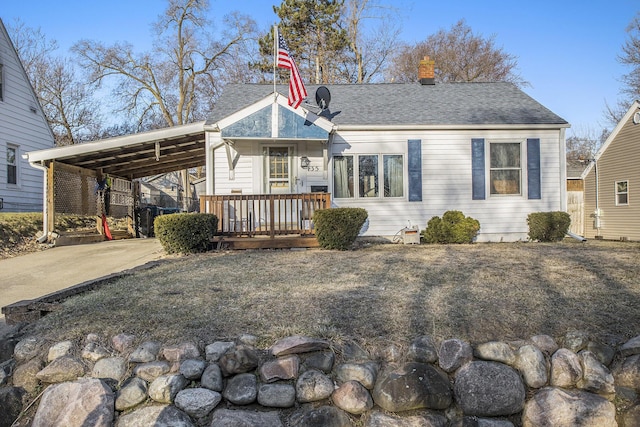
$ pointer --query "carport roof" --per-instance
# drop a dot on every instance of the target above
(134, 156)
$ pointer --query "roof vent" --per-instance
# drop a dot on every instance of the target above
(426, 71)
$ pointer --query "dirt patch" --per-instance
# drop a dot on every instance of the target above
(376, 294)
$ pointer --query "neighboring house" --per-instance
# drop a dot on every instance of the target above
(403, 152)
(165, 190)
(575, 194)
(612, 180)
(23, 128)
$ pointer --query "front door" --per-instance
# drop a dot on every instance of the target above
(278, 169)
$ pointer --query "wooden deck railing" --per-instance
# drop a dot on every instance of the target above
(265, 214)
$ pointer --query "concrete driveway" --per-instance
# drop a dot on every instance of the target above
(37, 274)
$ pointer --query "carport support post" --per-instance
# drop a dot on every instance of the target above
(51, 203)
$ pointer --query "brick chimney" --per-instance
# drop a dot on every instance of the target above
(426, 71)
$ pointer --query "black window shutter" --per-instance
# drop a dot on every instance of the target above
(415, 170)
(477, 168)
(533, 168)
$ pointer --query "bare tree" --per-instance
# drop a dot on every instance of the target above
(369, 48)
(584, 143)
(71, 111)
(179, 79)
(460, 56)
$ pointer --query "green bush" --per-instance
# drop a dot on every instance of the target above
(338, 228)
(185, 233)
(548, 226)
(453, 227)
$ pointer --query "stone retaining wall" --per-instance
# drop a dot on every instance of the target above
(302, 381)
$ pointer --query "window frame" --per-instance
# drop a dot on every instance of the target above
(354, 177)
(620, 193)
(12, 166)
(520, 168)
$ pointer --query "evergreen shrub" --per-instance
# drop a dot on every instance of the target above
(338, 228)
(548, 226)
(453, 227)
(185, 232)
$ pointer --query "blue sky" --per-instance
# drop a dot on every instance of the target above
(567, 50)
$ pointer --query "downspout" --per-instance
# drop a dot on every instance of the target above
(597, 212)
(45, 206)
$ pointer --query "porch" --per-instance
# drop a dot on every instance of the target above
(265, 220)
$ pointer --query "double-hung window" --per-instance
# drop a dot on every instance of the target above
(12, 165)
(622, 193)
(376, 176)
(505, 168)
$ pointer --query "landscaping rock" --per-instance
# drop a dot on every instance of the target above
(123, 342)
(489, 389)
(241, 389)
(277, 395)
(85, 402)
(576, 340)
(496, 351)
(453, 354)
(485, 422)
(156, 416)
(63, 348)
(313, 386)
(238, 360)
(283, 368)
(352, 352)
(596, 377)
(27, 349)
(320, 360)
(533, 365)
(10, 405)
(114, 368)
(151, 370)
(412, 386)
(192, 369)
(626, 374)
(180, 352)
(365, 373)
(603, 352)
(212, 378)
(146, 352)
(391, 353)
(631, 417)
(568, 408)
(423, 350)
(24, 376)
(545, 343)
(631, 347)
(566, 370)
(6, 370)
(132, 393)
(240, 418)
(164, 388)
(93, 351)
(324, 416)
(214, 351)
(63, 369)
(352, 397)
(197, 402)
(380, 419)
(298, 344)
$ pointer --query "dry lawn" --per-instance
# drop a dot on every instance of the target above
(377, 294)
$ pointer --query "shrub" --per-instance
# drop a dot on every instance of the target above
(453, 227)
(548, 226)
(338, 228)
(185, 233)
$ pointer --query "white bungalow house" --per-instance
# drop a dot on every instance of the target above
(404, 152)
(23, 128)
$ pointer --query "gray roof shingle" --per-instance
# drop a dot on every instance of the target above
(389, 104)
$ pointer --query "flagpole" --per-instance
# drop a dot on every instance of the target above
(275, 58)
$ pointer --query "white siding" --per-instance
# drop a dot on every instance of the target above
(446, 165)
(22, 125)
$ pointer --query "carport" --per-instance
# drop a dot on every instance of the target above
(85, 179)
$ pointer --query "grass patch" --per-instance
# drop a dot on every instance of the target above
(375, 295)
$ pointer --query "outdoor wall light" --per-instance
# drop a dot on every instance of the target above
(304, 162)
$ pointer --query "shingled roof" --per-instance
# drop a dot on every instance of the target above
(402, 104)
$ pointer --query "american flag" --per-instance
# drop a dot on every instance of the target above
(297, 91)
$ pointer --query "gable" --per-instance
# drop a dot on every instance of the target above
(270, 118)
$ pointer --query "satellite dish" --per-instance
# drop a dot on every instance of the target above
(323, 97)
